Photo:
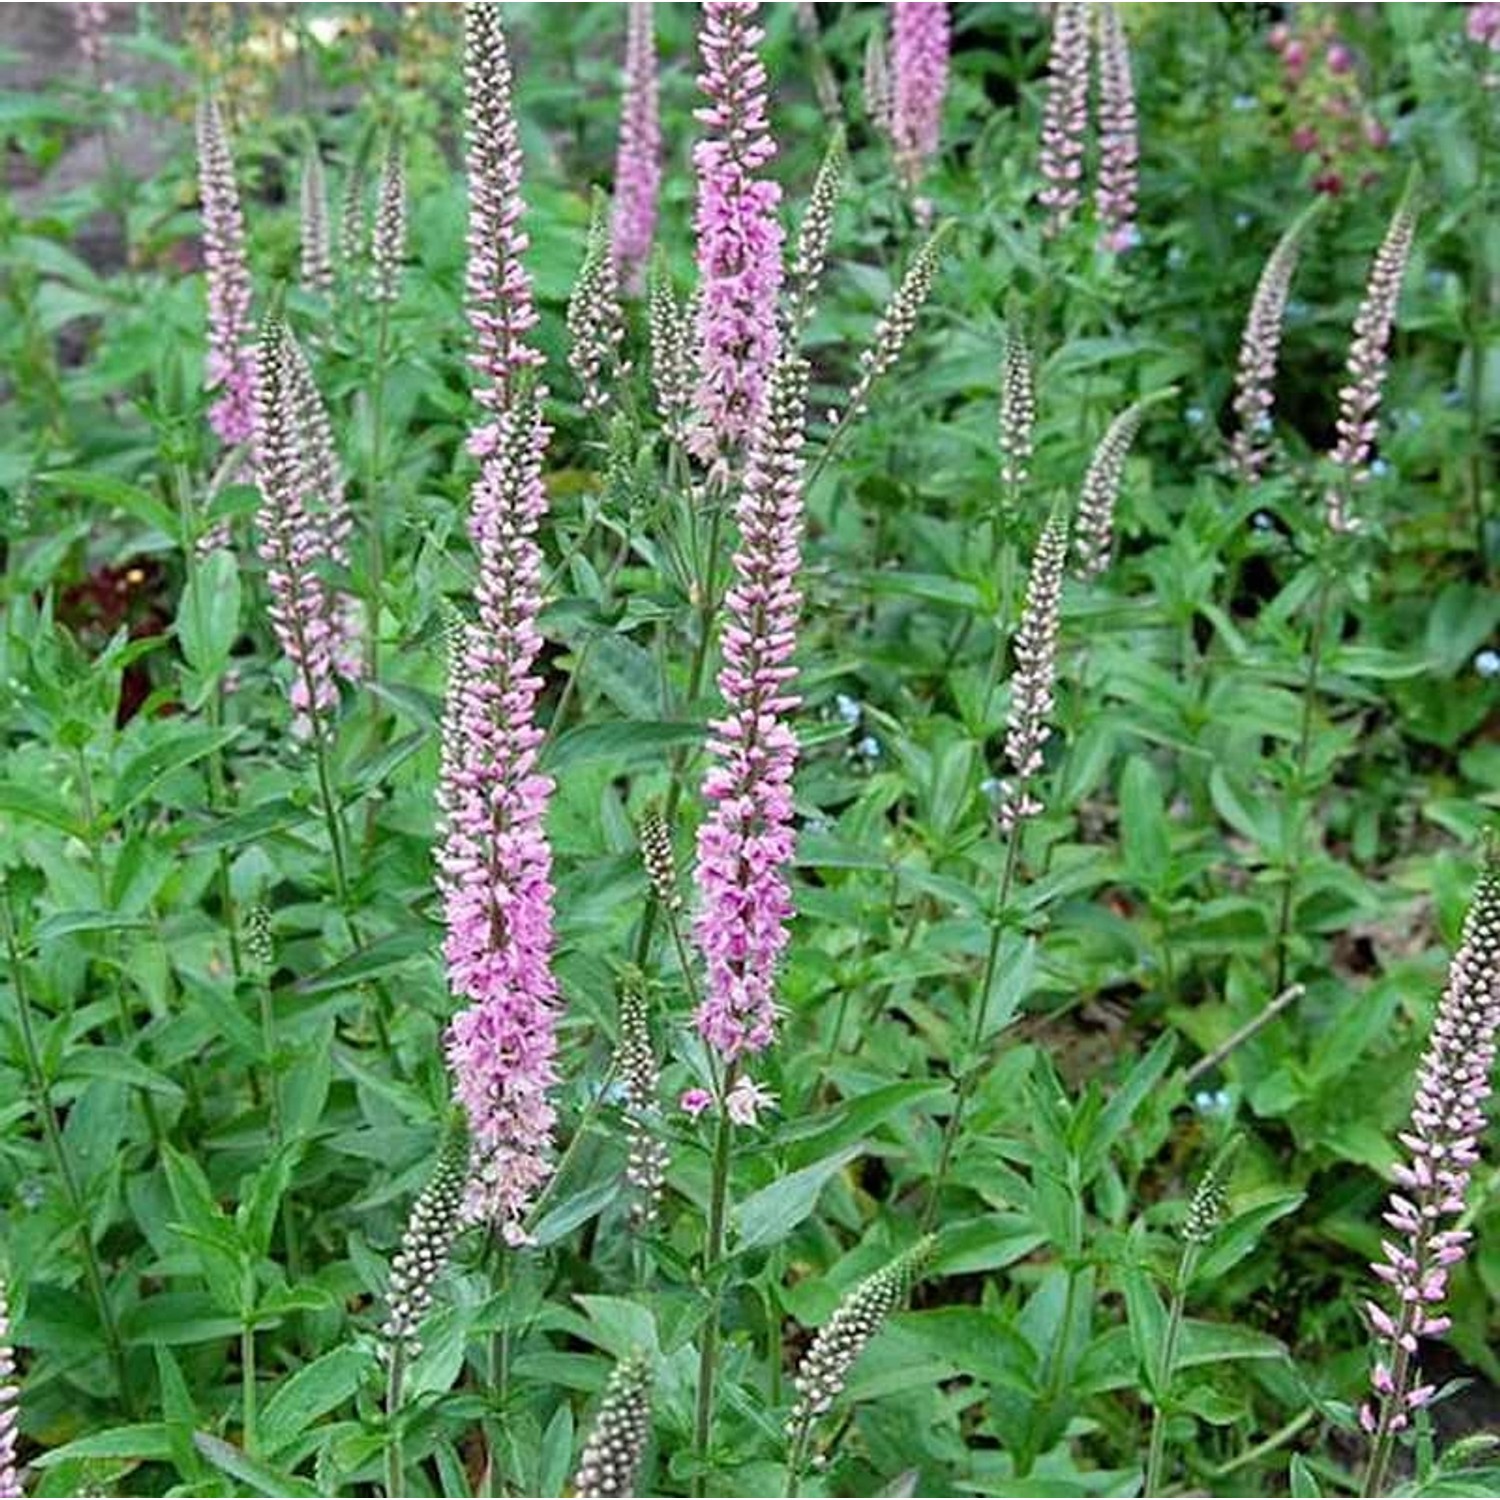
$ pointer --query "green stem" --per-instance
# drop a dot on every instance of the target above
(1304, 746)
(372, 498)
(395, 1468)
(713, 1254)
(247, 1387)
(1166, 1371)
(971, 1076)
(331, 817)
(52, 1131)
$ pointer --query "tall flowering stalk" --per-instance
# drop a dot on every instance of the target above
(1447, 1120)
(494, 861)
(230, 369)
(638, 160)
(304, 525)
(596, 326)
(746, 842)
(388, 233)
(499, 302)
(611, 1458)
(316, 254)
(1260, 349)
(1119, 145)
(810, 257)
(919, 58)
(10, 1406)
(1017, 410)
(739, 236)
(1369, 358)
(1065, 115)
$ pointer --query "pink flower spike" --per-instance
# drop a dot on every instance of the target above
(1119, 147)
(739, 236)
(919, 61)
(638, 160)
(1065, 115)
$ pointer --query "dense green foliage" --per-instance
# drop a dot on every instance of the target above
(223, 1084)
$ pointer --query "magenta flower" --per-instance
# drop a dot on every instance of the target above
(739, 236)
(1369, 358)
(1447, 1121)
(494, 861)
(638, 161)
(919, 59)
(1065, 116)
(230, 368)
(304, 524)
(1119, 146)
(746, 842)
(10, 1410)
(1483, 24)
(498, 296)
(694, 1101)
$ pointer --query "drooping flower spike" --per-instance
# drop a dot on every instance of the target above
(1260, 349)
(388, 234)
(746, 841)
(316, 255)
(1065, 115)
(499, 301)
(814, 235)
(638, 161)
(596, 326)
(1094, 530)
(230, 368)
(1017, 408)
(1448, 1119)
(1369, 359)
(1119, 145)
(617, 1442)
(739, 236)
(919, 64)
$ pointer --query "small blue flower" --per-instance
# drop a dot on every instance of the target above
(1242, 220)
(1379, 468)
(1487, 662)
(1196, 416)
(1262, 521)
(847, 708)
(868, 747)
(1176, 257)
(1211, 1101)
(992, 787)
(1242, 102)
(1296, 309)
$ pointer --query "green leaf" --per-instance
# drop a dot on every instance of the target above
(143, 774)
(70, 923)
(111, 1062)
(1147, 1319)
(261, 1478)
(1144, 833)
(39, 806)
(1302, 1481)
(144, 1442)
(208, 618)
(626, 744)
(768, 1216)
(180, 1413)
(118, 495)
(382, 956)
(314, 1390)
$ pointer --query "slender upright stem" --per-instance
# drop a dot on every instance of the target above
(1478, 316)
(52, 1131)
(972, 1073)
(247, 1386)
(1167, 1369)
(1298, 791)
(713, 1254)
(395, 1467)
(331, 817)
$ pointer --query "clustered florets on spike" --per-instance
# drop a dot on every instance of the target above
(611, 1458)
(316, 256)
(1369, 358)
(898, 320)
(814, 236)
(230, 368)
(738, 235)
(660, 861)
(1260, 348)
(495, 864)
(352, 238)
(426, 1243)
(825, 1368)
(879, 104)
(10, 1407)
(1027, 727)
(260, 943)
(1017, 408)
(90, 26)
(668, 323)
(1447, 1122)
(635, 1059)
(388, 235)
(304, 523)
(498, 295)
(1119, 148)
(638, 161)
(919, 62)
(1094, 533)
(1206, 1206)
(1065, 114)
(596, 326)
(746, 841)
